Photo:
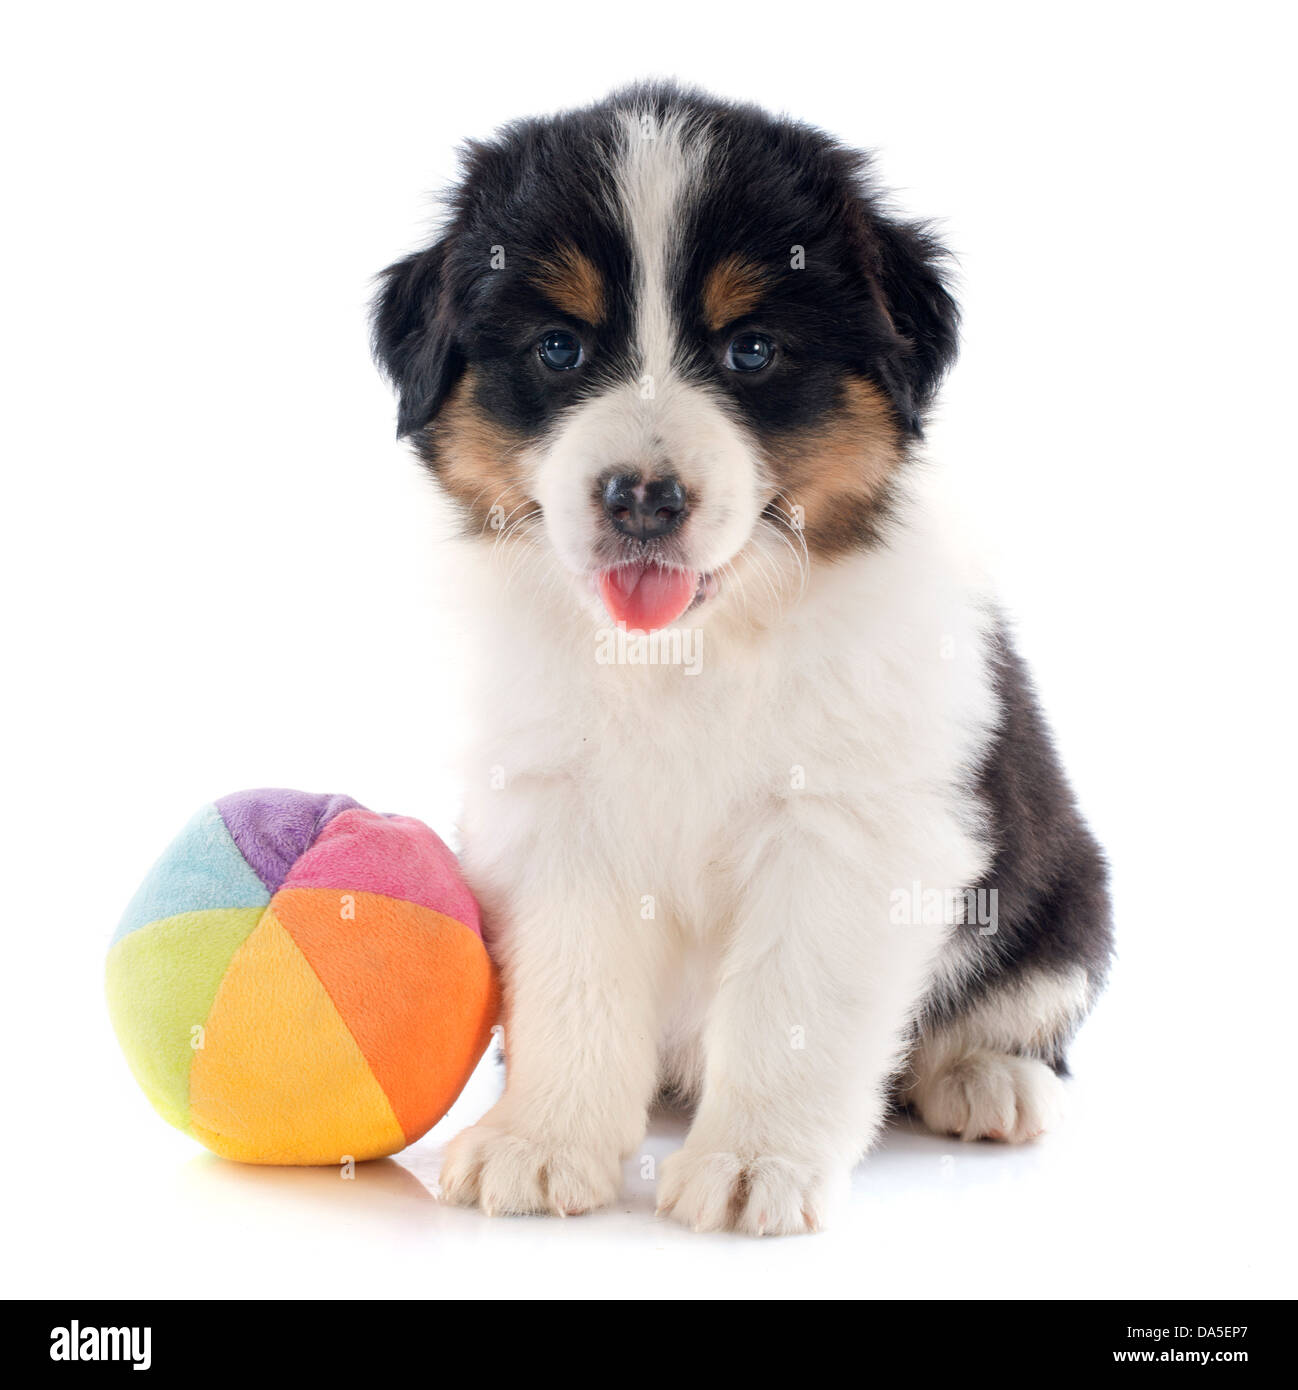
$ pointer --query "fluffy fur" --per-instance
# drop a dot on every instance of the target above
(747, 882)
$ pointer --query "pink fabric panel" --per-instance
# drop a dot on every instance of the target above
(360, 851)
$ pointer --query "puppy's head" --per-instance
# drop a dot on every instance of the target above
(662, 337)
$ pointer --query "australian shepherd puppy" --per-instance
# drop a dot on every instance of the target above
(764, 815)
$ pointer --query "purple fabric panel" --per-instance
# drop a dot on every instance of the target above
(274, 827)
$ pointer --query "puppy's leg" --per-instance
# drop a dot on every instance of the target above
(987, 1053)
(580, 976)
(989, 1072)
(816, 994)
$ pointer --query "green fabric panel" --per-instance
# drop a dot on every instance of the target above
(161, 981)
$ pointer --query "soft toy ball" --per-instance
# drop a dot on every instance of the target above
(300, 980)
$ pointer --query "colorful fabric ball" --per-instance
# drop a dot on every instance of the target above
(300, 980)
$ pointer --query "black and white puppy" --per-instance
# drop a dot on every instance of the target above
(764, 812)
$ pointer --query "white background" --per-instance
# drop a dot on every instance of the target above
(219, 571)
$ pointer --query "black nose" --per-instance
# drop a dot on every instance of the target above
(644, 511)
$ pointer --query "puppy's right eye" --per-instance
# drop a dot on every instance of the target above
(750, 352)
(560, 351)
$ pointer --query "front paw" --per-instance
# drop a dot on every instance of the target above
(509, 1173)
(759, 1195)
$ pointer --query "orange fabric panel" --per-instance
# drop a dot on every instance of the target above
(415, 987)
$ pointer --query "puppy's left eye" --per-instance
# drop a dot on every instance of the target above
(560, 351)
(749, 352)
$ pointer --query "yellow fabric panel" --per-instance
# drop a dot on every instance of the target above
(278, 1063)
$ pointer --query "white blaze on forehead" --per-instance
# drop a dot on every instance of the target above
(651, 418)
(660, 163)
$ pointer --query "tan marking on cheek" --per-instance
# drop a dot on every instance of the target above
(571, 283)
(478, 461)
(732, 289)
(838, 473)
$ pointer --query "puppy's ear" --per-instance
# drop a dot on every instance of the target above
(907, 266)
(414, 339)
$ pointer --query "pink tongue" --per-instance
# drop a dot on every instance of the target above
(646, 597)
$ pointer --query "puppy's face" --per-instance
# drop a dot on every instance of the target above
(662, 337)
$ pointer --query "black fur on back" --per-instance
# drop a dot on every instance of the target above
(1049, 873)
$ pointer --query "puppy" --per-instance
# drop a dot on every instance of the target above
(764, 814)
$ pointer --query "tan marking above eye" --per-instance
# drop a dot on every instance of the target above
(569, 280)
(733, 288)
